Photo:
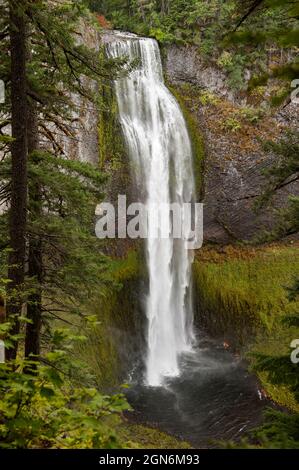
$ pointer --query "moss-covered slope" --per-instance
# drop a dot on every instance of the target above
(241, 297)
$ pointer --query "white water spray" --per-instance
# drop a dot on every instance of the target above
(160, 151)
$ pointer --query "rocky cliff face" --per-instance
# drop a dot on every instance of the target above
(82, 143)
(184, 65)
(233, 137)
(234, 158)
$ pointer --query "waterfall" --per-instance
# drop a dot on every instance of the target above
(161, 156)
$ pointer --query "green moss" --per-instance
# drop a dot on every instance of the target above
(182, 95)
(281, 394)
(246, 291)
(124, 269)
(111, 143)
(114, 308)
(241, 295)
(143, 437)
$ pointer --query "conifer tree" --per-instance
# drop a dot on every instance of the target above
(18, 198)
(57, 67)
(282, 31)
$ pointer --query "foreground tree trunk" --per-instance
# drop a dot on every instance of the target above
(18, 203)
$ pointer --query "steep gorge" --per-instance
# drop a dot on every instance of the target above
(228, 163)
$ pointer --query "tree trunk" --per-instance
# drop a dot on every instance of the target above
(18, 203)
(163, 6)
(35, 269)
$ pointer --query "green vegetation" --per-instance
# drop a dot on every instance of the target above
(280, 32)
(112, 309)
(142, 437)
(45, 406)
(231, 124)
(283, 173)
(55, 273)
(235, 35)
(246, 287)
(111, 145)
(179, 20)
(51, 261)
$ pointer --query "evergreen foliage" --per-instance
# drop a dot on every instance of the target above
(236, 35)
(50, 260)
(280, 429)
(283, 174)
(44, 404)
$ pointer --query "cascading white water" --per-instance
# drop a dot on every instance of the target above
(160, 150)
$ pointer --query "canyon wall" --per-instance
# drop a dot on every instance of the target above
(233, 138)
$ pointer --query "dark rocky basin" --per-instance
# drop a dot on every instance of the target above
(214, 399)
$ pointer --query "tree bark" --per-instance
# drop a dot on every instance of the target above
(18, 202)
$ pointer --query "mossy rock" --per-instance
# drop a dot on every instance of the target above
(241, 297)
(241, 291)
(113, 340)
(143, 437)
(196, 137)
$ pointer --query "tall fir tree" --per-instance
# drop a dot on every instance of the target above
(19, 186)
(57, 67)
